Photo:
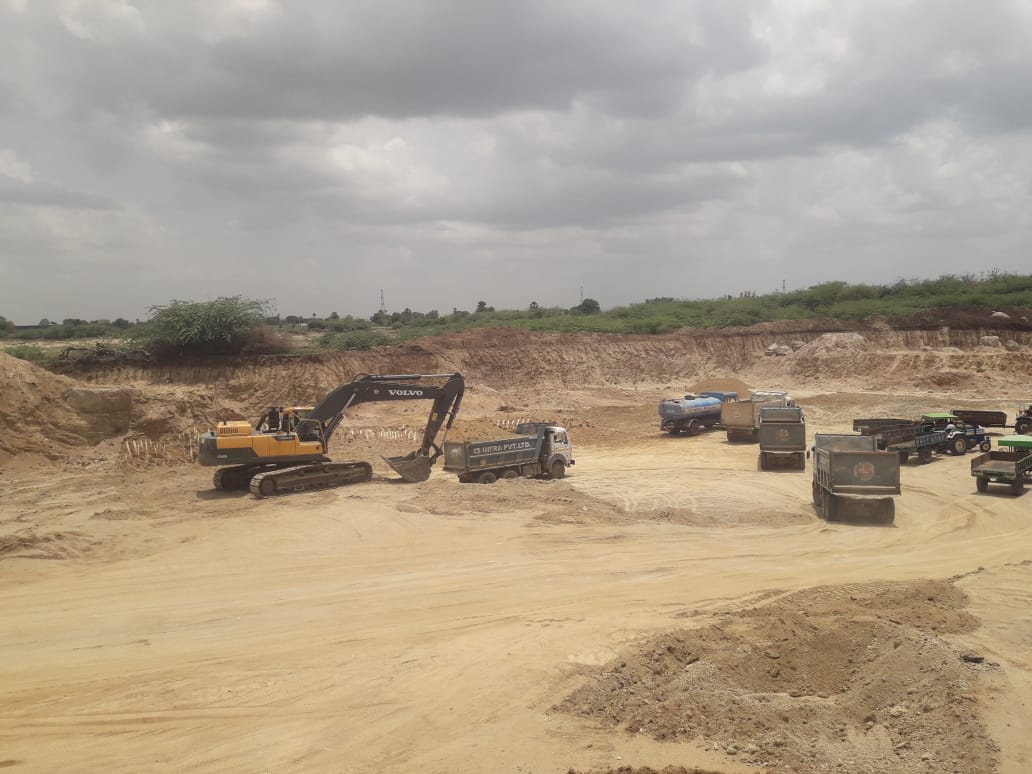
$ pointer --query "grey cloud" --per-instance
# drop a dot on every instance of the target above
(712, 144)
(17, 192)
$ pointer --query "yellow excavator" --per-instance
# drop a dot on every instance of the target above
(286, 449)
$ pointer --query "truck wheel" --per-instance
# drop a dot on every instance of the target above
(903, 457)
(816, 493)
(959, 446)
(924, 454)
(558, 469)
(830, 506)
(1022, 425)
(888, 511)
(801, 460)
(982, 483)
(986, 446)
(1018, 486)
(487, 477)
(761, 464)
(509, 475)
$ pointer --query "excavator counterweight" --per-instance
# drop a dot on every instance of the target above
(286, 449)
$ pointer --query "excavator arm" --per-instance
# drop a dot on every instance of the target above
(446, 398)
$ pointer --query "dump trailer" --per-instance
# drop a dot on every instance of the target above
(741, 419)
(922, 443)
(877, 425)
(983, 418)
(692, 413)
(782, 437)
(1011, 464)
(538, 449)
(853, 480)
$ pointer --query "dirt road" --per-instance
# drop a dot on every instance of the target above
(150, 624)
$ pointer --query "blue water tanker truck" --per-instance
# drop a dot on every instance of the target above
(692, 413)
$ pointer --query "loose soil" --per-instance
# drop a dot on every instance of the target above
(665, 608)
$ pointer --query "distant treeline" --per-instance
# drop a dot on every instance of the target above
(237, 325)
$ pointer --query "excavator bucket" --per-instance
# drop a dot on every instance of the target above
(413, 467)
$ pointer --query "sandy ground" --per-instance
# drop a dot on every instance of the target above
(665, 605)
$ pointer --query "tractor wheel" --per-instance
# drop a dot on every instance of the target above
(509, 475)
(1022, 425)
(985, 446)
(761, 463)
(924, 454)
(958, 446)
(982, 483)
(487, 477)
(558, 469)
(692, 427)
(903, 457)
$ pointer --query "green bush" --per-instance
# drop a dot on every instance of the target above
(225, 326)
(353, 340)
(29, 352)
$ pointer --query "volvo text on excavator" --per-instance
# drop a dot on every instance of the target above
(286, 449)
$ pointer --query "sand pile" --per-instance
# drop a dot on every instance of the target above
(810, 681)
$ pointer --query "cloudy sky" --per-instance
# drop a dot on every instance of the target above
(314, 152)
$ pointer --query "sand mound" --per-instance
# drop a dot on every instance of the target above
(808, 681)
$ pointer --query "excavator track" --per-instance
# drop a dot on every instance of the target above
(317, 475)
(236, 478)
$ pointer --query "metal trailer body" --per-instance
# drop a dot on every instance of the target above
(921, 443)
(540, 449)
(853, 480)
(689, 414)
(983, 418)
(782, 432)
(878, 425)
(1011, 464)
(741, 419)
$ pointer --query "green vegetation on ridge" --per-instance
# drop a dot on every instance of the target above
(235, 325)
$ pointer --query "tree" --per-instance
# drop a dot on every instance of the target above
(588, 306)
(533, 304)
(481, 306)
(334, 316)
(223, 326)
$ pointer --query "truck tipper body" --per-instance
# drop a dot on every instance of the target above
(782, 432)
(853, 480)
(537, 449)
(1011, 464)
(741, 419)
